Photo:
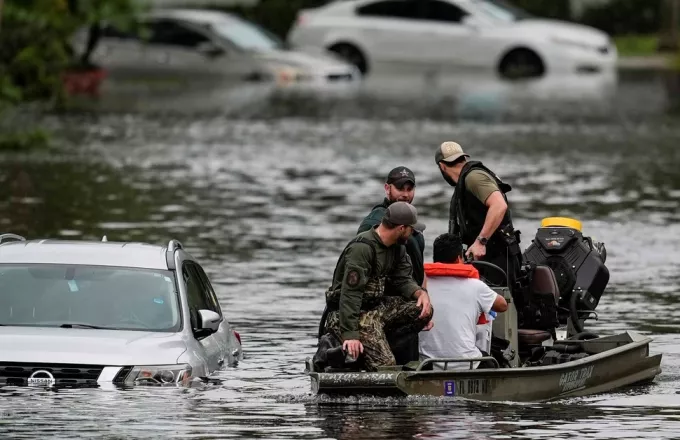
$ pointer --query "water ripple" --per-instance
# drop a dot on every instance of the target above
(268, 203)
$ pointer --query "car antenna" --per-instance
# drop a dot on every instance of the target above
(104, 238)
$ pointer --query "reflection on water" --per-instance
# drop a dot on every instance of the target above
(267, 203)
(611, 96)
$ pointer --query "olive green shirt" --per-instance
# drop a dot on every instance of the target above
(480, 184)
(353, 272)
(415, 245)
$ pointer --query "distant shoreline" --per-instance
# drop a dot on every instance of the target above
(657, 61)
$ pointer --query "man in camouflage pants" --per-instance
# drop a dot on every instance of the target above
(360, 313)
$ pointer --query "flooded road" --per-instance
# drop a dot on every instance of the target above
(267, 196)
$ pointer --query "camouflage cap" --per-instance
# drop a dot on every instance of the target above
(402, 213)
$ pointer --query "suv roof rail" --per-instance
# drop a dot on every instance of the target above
(11, 237)
(173, 245)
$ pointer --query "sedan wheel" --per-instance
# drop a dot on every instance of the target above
(521, 63)
(352, 55)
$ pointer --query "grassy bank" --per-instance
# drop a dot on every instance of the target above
(639, 50)
(637, 45)
(24, 141)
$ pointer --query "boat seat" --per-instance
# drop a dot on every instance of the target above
(532, 337)
(540, 312)
(543, 282)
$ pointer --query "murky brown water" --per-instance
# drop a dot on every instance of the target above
(268, 201)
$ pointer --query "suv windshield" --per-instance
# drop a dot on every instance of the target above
(247, 35)
(52, 295)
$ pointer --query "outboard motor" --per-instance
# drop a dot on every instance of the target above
(577, 263)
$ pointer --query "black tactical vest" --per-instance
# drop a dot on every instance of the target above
(467, 214)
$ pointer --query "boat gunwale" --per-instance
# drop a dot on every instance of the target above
(516, 371)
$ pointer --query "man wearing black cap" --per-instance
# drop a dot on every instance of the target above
(479, 212)
(400, 186)
(360, 312)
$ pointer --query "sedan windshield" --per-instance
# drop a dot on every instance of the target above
(46, 295)
(246, 35)
(500, 10)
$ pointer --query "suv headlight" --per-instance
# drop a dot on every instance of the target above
(159, 375)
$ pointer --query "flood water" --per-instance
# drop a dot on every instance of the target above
(267, 194)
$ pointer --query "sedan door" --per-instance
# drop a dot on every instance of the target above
(446, 41)
(390, 30)
(452, 41)
(121, 54)
(184, 58)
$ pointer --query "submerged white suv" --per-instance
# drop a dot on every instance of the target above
(88, 313)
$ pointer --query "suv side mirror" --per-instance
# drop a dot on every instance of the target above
(208, 323)
(210, 49)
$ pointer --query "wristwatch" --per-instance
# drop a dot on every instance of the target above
(482, 240)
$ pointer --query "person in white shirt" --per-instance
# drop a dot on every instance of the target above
(459, 297)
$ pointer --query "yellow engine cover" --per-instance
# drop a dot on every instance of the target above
(565, 222)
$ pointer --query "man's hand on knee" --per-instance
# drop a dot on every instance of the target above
(354, 347)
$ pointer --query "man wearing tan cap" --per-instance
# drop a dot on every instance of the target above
(359, 311)
(479, 212)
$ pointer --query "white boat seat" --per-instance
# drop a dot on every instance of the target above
(532, 337)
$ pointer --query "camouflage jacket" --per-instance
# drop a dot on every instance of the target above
(415, 246)
(360, 275)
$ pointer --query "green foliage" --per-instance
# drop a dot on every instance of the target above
(558, 9)
(276, 15)
(34, 41)
(35, 49)
(636, 45)
(622, 17)
(9, 93)
(23, 140)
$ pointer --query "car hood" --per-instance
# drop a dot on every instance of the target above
(564, 30)
(89, 346)
(316, 61)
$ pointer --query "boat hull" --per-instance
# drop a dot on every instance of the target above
(613, 362)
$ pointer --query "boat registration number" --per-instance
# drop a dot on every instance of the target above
(466, 387)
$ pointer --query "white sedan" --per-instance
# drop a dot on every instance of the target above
(203, 49)
(448, 35)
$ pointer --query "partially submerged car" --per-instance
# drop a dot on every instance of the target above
(203, 49)
(88, 313)
(452, 36)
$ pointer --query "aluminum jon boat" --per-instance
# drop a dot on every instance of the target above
(612, 362)
(540, 363)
